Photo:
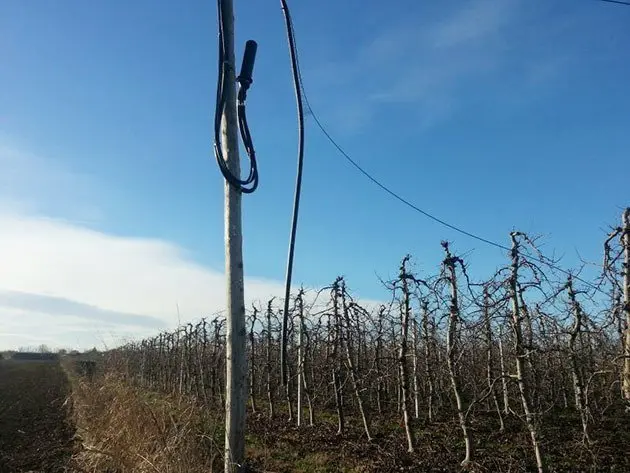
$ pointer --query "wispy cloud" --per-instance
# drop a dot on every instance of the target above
(476, 21)
(54, 268)
(60, 306)
(429, 67)
(65, 284)
(36, 184)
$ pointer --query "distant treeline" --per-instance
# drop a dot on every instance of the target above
(34, 356)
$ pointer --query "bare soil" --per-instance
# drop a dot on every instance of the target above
(275, 446)
(36, 434)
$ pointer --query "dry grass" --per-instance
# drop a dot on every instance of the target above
(124, 429)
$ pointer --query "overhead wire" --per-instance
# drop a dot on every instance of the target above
(401, 199)
(414, 207)
(618, 2)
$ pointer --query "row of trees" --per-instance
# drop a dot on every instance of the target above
(529, 340)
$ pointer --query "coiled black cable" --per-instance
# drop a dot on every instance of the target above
(248, 185)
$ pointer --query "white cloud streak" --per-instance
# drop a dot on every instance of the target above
(65, 284)
(57, 273)
(429, 66)
(33, 184)
(476, 21)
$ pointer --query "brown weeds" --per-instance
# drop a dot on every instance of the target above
(124, 429)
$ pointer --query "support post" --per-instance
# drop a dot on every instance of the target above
(236, 369)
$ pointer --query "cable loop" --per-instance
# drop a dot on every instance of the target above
(250, 184)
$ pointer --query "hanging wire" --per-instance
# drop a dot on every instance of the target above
(301, 94)
(414, 207)
(248, 185)
(618, 2)
(297, 84)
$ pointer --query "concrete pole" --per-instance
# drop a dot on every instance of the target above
(236, 369)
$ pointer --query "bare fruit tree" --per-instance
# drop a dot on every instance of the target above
(518, 347)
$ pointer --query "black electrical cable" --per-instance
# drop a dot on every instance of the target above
(409, 204)
(245, 81)
(618, 2)
(302, 97)
(248, 185)
(297, 84)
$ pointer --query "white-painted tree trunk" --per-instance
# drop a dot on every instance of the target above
(520, 354)
(625, 239)
(354, 375)
(334, 331)
(453, 352)
(504, 375)
(427, 360)
(300, 360)
(416, 394)
(402, 356)
(490, 358)
(578, 381)
(269, 365)
(252, 351)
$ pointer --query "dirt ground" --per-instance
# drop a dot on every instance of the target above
(37, 436)
(35, 432)
(275, 446)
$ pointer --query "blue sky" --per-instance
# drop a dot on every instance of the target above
(493, 115)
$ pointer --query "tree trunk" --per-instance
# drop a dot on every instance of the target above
(625, 239)
(377, 360)
(287, 392)
(252, 351)
(338, 401)
(452, 350)
(354, 375)
(335, 335)
(504, 375)
(300, 360)
(490, 358)
(428, 372)
(402, 355)
(416, 397)
(269, 367)
(521, 354)
(578, 381)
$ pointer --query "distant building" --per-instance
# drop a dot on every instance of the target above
(33, 356)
